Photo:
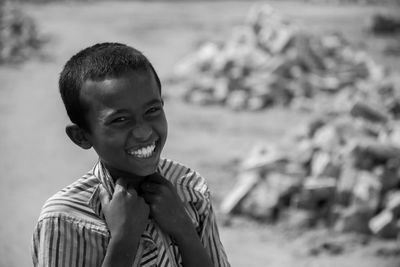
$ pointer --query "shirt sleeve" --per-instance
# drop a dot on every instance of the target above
(59, 241)
(210, 237)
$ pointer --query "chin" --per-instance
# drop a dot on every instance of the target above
(145, 170)
(143, 167)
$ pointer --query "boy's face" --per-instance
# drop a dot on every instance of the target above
(128, 128)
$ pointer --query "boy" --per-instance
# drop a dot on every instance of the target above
(132, 208)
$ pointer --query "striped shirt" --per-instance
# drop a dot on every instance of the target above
(71, 230)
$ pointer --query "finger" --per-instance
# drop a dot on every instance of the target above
(132, 191)
(150, 187)
(150, 198)
(104, 196)
(121, 185)
(156, 178)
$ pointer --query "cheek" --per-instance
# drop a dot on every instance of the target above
(163, 128)
(110, 141)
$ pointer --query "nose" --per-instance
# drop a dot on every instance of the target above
(142, 132)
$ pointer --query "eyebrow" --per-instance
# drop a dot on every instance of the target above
(118, 111)
(154, 101)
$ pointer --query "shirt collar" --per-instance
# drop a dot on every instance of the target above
(103, 175)
(101, 172)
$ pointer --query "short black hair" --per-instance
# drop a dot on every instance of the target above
(97, 62)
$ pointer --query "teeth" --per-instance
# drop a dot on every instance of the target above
(144, 152)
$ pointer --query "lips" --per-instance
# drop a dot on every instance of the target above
(142, 152)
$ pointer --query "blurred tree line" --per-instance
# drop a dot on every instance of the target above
(19, 37)
(378, 2)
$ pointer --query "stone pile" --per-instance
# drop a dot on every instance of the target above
(384, 24)
(269, 61)
(19, 38)
(358, 2)
(387, 25)
(341, 170)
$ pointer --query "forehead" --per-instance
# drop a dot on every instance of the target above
(130, 89)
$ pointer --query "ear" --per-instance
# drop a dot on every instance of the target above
(78, 136)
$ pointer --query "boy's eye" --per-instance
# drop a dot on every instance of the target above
(119, 119)
(153, 110)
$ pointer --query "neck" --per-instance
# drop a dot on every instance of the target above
(132, 179)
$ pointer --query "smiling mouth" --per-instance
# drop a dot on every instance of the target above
(143, 152)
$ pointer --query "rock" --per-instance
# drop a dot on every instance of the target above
(271, 195)
(325, 165)
(298, 219)
(346, 182)
(255, 103)
(201, 97)
(306, 55)
(327, 138)
(367, 191)
(246, 182)
(354, 219)
(221, 90)
(384, 225)
(281, 42)
(392, 203)
(265, 158)
(368, 112)
(371, 153)
(329, 247)
(199, 60)
(303, 152)
(388, 176)
(317, 193)
(384, 24)
(237, 100)
(261, 203)
(392, 48)
(394, 135)
(315, 125)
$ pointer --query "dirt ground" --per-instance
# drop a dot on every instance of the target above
(37, 159)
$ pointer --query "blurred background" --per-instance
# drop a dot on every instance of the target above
(288, 108)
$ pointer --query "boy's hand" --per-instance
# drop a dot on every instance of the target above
(126, 213)
(168, 211)
(165, 206)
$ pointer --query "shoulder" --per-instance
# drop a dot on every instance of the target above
(185, 179)
(74, 201)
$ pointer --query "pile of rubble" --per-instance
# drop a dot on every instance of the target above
(359, 2)
(387, 25)
(384, 24)
(269, 61)
(19, 37)
(341, 170)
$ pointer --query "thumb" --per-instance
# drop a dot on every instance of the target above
(121, 185)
